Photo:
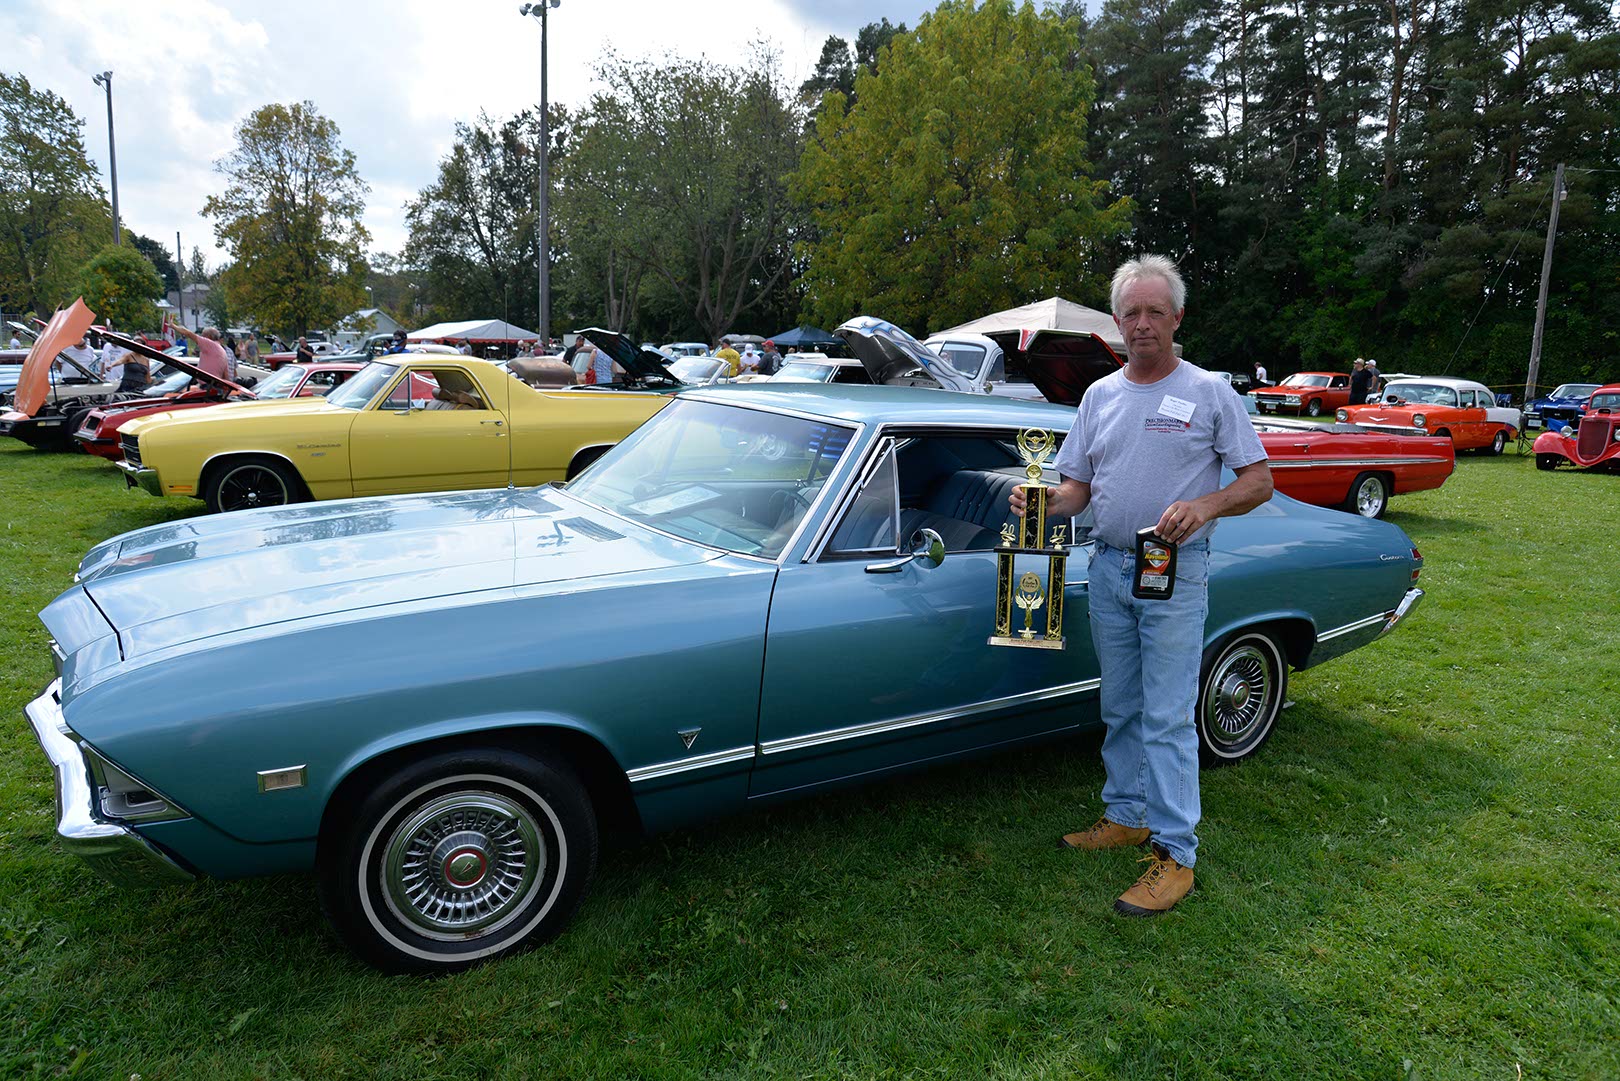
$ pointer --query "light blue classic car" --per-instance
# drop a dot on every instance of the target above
(432, 700)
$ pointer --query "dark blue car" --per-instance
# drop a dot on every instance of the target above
(1563, 406)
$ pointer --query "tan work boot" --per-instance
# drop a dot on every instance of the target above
(1163, 884)
(1106, 834)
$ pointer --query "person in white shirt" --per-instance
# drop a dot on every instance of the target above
(112, 362)
(81, 352)
(15, 344)
(749, 363)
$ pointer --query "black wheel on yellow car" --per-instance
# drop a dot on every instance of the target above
(458, 858)
(246, 483)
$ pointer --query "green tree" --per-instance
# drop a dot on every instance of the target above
(290, 217)
(120, 285)
(958, 182)
(158, 255)
(472, 231)
(835, 70)
(53, 216)
(682, 171)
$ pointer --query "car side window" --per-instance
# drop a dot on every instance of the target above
(870, 525)
(1341, 381)
(435, 389)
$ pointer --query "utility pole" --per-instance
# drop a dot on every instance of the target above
(179, 278)
(1541, 299)
(105, 80)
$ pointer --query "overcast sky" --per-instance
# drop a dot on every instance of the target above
(395, 77)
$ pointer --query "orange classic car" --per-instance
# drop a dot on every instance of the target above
(1457, 409)
(1306, 393)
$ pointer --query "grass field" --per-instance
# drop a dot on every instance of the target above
(1419, 877)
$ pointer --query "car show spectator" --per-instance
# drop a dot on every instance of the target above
(1360, 379)
(601, 367)
(15, 343)
(303, 353)
(770, 361)
(1146, 451)
(398, 345)
(749, 363)
(1260, 379)
(112, 362)
(211, 355)
(732, 358)
(250, 349)
(134, 375)
(465, 347)
(1375, 383)
(83, 353)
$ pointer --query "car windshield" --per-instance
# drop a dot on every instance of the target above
(1421, 393)
(734, 478)
(281, 384)
(173, 383)
(965, 357)
(1300, 379)
(1607, 400)
(697, 369)
(794, 372)
(364, 386)
(1574, 390)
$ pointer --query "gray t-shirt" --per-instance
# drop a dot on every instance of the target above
(1142, 447)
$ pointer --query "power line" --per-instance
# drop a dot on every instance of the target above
(1489, 293)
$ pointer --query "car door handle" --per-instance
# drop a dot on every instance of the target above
(497, 423)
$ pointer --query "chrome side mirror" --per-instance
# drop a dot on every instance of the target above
(927, 547)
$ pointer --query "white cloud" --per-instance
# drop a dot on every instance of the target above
(395, 77)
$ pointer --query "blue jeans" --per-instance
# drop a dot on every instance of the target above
(1149, 653)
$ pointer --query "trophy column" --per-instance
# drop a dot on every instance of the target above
(1028, 538)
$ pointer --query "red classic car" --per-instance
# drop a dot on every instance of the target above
(1350, 467)
(1594, 443)
(1458, 409)
(1305, 393)
(190, 387)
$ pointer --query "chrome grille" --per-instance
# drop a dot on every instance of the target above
(131, 446)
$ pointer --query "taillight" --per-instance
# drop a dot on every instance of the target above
(1417, 561)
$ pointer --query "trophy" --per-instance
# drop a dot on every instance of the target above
(1029, 538)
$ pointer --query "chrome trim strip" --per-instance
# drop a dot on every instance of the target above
(874, 728)
(683, 765)
(1350, 628)
(1306, 463)
(114, 851)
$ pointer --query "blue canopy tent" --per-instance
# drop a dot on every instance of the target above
(808, 338)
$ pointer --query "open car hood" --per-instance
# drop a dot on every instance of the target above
(181, 363)
(66, 327)
(893, 357)
(1061, 363)
(642, 365)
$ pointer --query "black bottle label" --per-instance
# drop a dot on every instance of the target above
(1155, 576)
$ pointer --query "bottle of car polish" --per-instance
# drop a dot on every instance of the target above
(1155, 577)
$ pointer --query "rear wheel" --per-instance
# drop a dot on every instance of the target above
(459, 858)
(1314, 408)
(1369, 496)
(1548, 461)
(1240, 697)
(246, 483)
(1499, 444)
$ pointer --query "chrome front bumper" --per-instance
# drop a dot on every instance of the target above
(1402, 610)
(114, 851)
(140, 477)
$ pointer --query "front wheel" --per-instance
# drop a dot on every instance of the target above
(457, 859)
(1240, 697)
(252, 482)
(1315, 408)
(1369, 496)
(1548, 461)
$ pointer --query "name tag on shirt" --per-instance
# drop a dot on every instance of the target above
(1178, 408)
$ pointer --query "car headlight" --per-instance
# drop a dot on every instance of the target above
(1341, 416)
(1419, 420)
(1617, 435)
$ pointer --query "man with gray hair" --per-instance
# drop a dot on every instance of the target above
(1146, 450)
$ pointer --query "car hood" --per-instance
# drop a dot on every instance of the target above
(644, 365)
(1061, 363)
(189, 581)
(891, 356)
(33, 381)
(284, 407)
(1558, 403)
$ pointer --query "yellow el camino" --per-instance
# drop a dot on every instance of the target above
(410, 422)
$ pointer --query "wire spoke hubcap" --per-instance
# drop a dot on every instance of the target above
(463, 864)
(1242, 698)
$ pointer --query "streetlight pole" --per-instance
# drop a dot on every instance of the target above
(543, 227)
(105, 80)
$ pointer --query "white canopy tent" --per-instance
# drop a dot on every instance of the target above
(475, 330)
(1053, 313)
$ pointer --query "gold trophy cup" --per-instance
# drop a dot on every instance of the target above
(1028, 537)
